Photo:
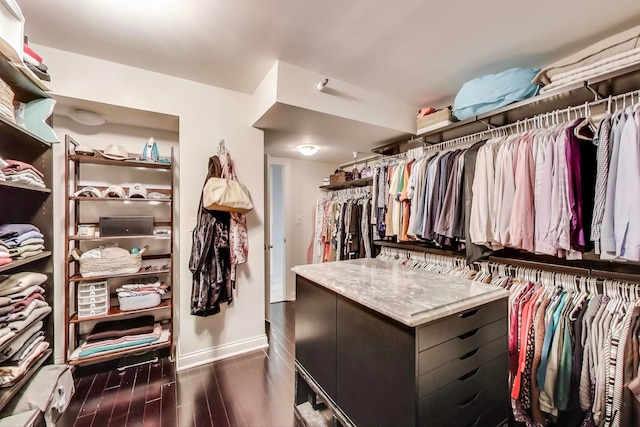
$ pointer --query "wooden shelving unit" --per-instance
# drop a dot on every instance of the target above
(348, 184)
(23, 203)
(118, 200)
(22, 262)
(163, 177)
(141, 273)
(99, 160)
(20, 186)
(98, 239)
(115, 312)
(118, 354)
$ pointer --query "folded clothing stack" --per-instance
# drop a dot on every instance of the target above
(22, 308)
(21, 172)
(34, 62)
(118, 335)
(138, 296)
(610, 54)
(152, 286)
(19, 241)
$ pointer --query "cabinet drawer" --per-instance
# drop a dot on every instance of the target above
(467, 411)
(459, 324)
(493, 376)
(494, 416)
(92, 311)
(439, 377)
(92, 286)
(461, 345)
(92, 299)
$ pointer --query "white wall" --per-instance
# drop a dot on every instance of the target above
(264, 97)
(297, 87)
(206, 114)
(306, 177)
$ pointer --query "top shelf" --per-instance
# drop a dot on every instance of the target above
(348, 184)
(26, 139)
(24, 89)
(98, 160)
(613, 83)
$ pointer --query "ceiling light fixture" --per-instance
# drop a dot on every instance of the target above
(320, 86)
(88, 118)
(308, 150)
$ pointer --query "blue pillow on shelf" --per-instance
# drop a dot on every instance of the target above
(493, 91)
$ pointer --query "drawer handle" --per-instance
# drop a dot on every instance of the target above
(469, 401)
(468, 334)
(474, 423)
(468, 313)
(469, 375)
(470, 354)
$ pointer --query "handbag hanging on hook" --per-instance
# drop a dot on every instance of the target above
(226, 193)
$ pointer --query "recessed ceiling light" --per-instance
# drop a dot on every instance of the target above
(308, 150)
(88, 118)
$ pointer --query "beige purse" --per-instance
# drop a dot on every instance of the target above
(223, 194)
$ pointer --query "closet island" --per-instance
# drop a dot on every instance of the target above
(382, 344)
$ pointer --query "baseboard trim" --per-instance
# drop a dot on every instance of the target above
(201, 357)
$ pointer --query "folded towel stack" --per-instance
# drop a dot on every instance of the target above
(613, 53)
(118, 335)
(21, 172)
(22, 309)
(19, 241)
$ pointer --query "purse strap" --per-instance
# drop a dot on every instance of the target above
(214, 170)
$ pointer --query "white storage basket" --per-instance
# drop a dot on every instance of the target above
(96, 267)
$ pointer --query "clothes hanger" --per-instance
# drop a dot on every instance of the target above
(585, 125)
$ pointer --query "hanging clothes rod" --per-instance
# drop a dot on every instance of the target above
(362, 160)
(350, 192)
(507, 269)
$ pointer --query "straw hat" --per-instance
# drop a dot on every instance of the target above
(115, 152)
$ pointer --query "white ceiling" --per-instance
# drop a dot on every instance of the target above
(117, 115)
(287, 127)
(416, 51)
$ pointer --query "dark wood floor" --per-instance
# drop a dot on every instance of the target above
(254, 389)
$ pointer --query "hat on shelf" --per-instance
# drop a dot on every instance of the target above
(83, 150)
(115, 152)
(157, 195)
(87, 192)
(114, 191)
(137, 191)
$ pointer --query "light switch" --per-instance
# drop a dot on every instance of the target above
(298, 219)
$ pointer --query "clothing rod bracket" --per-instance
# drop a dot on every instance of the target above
(487, 123)
(598, 96)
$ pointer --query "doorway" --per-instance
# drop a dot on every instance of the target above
(278, 219)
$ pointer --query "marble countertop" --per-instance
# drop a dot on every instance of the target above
(409, 295)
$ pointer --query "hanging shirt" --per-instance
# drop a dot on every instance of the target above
(604, 133)
(522, 215)
(627, 197)
(607, 239)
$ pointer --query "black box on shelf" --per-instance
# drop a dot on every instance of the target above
(126, 225)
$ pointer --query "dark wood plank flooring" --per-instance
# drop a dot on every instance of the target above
(255, 389)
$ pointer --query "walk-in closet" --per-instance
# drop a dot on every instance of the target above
(293, 213)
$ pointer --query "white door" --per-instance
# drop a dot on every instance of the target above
(267, 239)
(277, 232)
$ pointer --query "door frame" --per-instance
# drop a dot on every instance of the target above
(289, 292)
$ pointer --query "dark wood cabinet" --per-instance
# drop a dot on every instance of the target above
(372, 370)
